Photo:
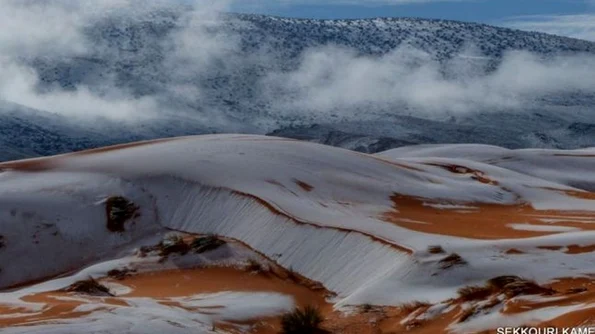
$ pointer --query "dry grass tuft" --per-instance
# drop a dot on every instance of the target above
(490, 304)
(118, 211)
(293, 275)
(510, 286)
(254, 266)
(452, 260)
(306, 321)
(526, 288)
(206, 243)
(173, 244)
(89, 286)
(411, 307)
(577, 290)
(119, 274)
(437, 249)
(470, 293)
(501, 281)
(513, 286)
(468, 313)
(366, 308)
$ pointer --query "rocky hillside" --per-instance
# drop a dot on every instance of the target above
(367, 84)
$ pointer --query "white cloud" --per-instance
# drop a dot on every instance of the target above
(200, 43)
(54, 29)
(37, 28)
(578, 26)
(18, 84)
(328, 80)
(333, 80)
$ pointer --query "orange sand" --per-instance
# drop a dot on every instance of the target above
(168, 284)
(484, 221)
(54, 308)
(179, 283)
(378, 320)
(576, 249)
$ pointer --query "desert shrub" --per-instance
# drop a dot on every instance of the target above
(411, 324)
(525, 288)
(206, 243)
(470, 293)
(367, 307)
(437, 249)
(89, 286)
(513, 286)
(119, 210)
(144, 250)
(490, 304)
(254, 266)
(119, 274)
(577, 290)
(452, 260)
(306, 321)
(293, 275)
(468, 313)
(173, 243)
(501, 281)
(411, 307)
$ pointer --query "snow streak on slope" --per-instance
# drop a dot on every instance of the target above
(569, 167)
(360, 224)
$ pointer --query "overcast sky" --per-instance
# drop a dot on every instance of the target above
(575, 18)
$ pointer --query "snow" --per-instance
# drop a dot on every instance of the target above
(192, 314)
(146, 316)
(449, 206)
(543, 228)
(238, 306)
(246, 187)
(46, 216)
(232, 86)
(498, 320)
(567, 167)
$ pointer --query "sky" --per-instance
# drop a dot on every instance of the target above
(574, 18)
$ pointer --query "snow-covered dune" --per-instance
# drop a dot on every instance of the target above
(570, 167)
(362, 225)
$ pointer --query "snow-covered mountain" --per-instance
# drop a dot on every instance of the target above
(367, 85)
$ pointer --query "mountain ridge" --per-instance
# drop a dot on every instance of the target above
(245, 73)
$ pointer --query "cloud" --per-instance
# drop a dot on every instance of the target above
(200, 42)
(580, 26)
(332, 80)
(202, 72)
(55, 32)
(18, 84)
(37, 28)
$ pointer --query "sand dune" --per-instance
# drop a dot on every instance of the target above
(422, 239)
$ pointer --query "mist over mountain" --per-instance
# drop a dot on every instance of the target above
(74, 78)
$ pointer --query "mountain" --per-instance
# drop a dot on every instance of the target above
(226, 233)
(367, 84)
